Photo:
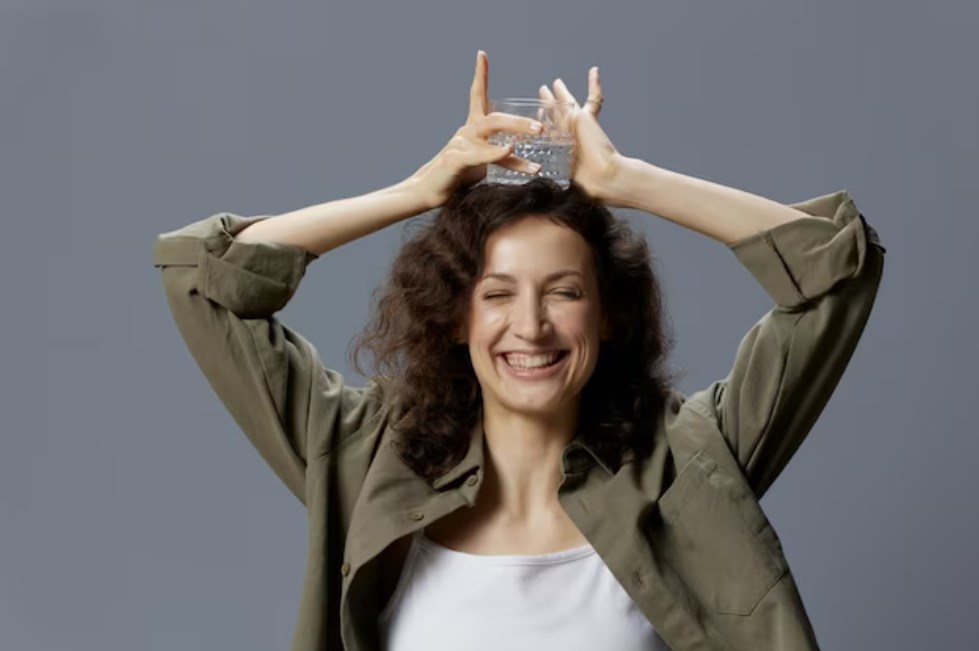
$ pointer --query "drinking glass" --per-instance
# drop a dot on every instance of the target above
(552, 148)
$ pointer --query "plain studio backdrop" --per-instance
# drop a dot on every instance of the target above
(133, 512)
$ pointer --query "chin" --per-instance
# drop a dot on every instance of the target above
(530, 406)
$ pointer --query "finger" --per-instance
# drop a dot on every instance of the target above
(505, 122)
(519, 165)
(595, 96)
(563, 112)
(515, 163)
(487, 152)
(545, 94)
(501, 155)
(562, 93)
(478, 96)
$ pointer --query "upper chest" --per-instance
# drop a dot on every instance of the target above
(681, 532)
(472, 531)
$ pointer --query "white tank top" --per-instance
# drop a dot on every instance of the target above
(448, 600)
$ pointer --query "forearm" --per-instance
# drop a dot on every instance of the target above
(323, 227)
(720, 212)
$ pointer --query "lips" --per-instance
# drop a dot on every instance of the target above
(532, 360)
(528, 360)
(534, 373)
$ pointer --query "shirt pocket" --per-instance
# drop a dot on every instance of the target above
(717, 538)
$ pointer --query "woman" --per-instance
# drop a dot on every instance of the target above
(524, 352)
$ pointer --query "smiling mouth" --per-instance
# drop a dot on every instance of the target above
(530, 363)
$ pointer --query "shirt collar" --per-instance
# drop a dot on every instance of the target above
(578, 456)
(473, 459)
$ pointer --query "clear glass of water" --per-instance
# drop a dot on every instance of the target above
(553, 148)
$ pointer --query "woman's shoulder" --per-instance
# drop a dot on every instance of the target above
(688, 426)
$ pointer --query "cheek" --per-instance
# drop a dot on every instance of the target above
(485, 325)
(577, 324)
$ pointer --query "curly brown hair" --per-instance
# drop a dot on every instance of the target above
(412, 335)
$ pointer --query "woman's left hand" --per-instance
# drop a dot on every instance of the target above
(596, 161)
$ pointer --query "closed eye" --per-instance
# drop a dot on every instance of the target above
(568, 293)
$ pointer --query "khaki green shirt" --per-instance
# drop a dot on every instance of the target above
(681, 529)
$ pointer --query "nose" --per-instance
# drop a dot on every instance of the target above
(530, 320)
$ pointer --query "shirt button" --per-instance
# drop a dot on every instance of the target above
(345, 569)
(415, 515)
(638, 581)
(472, 480)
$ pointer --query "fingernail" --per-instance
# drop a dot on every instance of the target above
(534, 167)
(536, 127)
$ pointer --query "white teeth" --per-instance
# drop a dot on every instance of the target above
(517, 360)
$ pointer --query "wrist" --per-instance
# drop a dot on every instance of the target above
(633, 183)
(416, 192)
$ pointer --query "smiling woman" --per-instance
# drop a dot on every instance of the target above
(520, 473)
(505, 274)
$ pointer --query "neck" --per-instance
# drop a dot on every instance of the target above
(523, 462)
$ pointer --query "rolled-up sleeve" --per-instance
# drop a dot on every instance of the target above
(223, 294)
(822, 271)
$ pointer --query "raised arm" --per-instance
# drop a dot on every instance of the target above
(821, 264)
(726, 214)
(818, 260)
(325, 226)
(225, 277)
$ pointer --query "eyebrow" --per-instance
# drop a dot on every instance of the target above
(550, 277)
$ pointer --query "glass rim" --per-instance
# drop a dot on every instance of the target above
(531, 101)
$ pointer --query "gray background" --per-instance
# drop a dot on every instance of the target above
(133, 513)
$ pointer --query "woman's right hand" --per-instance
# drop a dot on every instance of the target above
(463, 160)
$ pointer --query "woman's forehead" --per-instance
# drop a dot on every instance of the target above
(536, 244)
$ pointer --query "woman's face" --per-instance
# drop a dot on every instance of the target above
(535, 320)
